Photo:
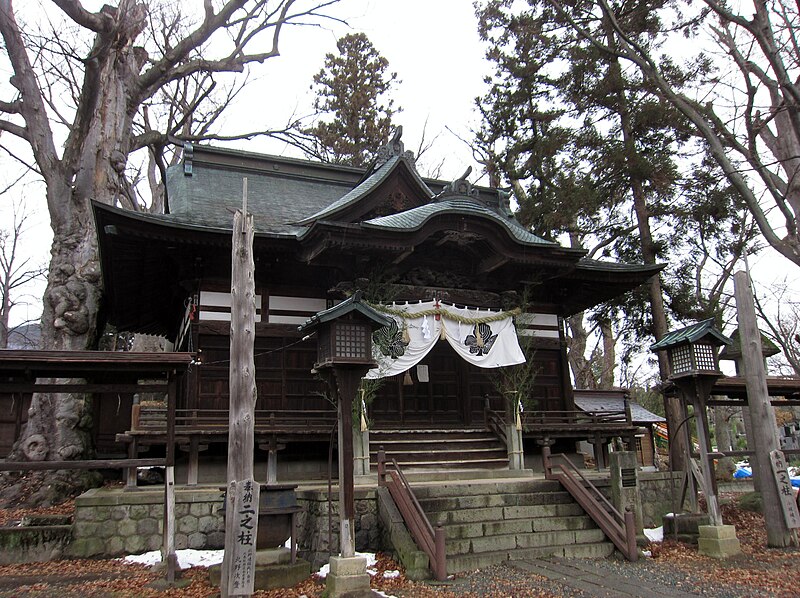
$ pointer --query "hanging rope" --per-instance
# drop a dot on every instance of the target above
(442, 311)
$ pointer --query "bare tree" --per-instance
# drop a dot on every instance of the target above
(15, 271)
(749, 118)
(781, 320)
(81, 101)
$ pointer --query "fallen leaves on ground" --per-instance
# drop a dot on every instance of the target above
(759, 570)
(12, 516)
(769, 571)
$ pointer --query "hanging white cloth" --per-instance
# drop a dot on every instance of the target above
(484, 344)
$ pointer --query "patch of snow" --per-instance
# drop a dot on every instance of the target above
(391, 574)
(655, 534)
(186, 558)
(647, 554)
(379, 593)
(371, 561)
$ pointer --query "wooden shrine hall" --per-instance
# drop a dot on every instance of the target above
(469, 288)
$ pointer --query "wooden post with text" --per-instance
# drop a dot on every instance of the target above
(241, 506)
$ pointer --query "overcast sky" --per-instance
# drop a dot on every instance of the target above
(434, 48)
(432, 45)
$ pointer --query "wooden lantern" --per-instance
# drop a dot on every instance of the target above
(693, 350)
(344, 333)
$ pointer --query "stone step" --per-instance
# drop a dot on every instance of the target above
(437, 477)
(521, 539)
(507, 522)
(450, 452)
(460, 464)
(544, 521)
(479, 501)
(521, 528)
(492, 487)
(468, 562)
(465, 454)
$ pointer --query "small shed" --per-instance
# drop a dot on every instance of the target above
(595, 401)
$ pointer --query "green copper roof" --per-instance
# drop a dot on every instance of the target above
(415, 218)
(734, 350)
(364, 188)
(691, 334)
(280, 190)
(352, 303)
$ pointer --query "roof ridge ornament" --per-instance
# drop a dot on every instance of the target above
(394, 147)
(460, 186)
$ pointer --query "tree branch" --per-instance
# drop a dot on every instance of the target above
(14, 129)
(32, 108)
(97, 22)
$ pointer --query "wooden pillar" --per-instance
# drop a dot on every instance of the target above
(132, 472)
(698, 394)
(762, 415)
(599, 451)
(241, 434)
(347, 383)
(194, 458)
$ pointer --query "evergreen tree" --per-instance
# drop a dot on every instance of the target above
(353, 102)
(590, 151)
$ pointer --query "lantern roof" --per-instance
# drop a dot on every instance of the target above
(734, 350)
(354, 303)
(704, 330)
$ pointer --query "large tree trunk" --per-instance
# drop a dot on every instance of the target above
(722, 433)
(576, 352)
(672, 408)
(59, 425)
(609, 357)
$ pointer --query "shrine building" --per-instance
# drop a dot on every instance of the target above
(477, 302)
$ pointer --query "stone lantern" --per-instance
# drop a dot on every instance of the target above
(693, 354)
(344, 356)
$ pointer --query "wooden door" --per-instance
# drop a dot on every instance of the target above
(409, 401)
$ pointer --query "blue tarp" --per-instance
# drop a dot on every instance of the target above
(745, 472)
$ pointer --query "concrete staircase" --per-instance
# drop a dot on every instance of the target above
(487, 522)
(440, 450)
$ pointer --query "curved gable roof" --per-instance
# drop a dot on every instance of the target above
(367, 186)
(415, 218)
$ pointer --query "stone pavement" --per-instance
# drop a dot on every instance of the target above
(583, 575)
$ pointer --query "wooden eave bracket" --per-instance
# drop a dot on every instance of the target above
(492, 263)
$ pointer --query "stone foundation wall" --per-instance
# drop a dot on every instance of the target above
(113, 522)
(116, 522)
(660, 492)
(313, 542)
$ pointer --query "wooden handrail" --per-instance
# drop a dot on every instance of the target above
(619, 528)
(495, 423)
(621, 416)
(149, 418)
(431, 540)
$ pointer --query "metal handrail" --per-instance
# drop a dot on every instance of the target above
(620, 529)
(430, 540)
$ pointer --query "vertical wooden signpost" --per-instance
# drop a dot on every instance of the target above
(785, 491)
(241, 506)
(765, 435)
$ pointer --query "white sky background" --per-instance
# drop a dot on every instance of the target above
(434, 48)
(432, 45)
